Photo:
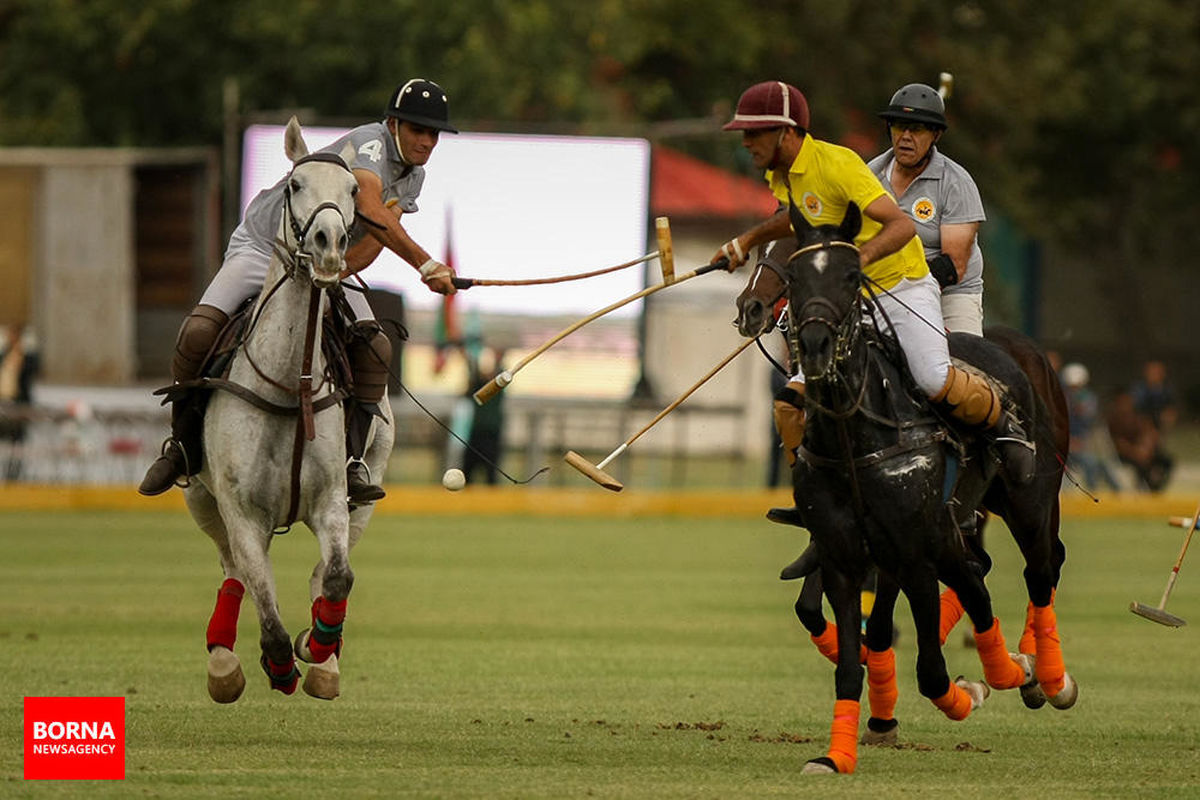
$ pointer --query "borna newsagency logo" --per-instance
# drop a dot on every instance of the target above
(74, 738)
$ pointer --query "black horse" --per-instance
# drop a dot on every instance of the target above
(876, 472)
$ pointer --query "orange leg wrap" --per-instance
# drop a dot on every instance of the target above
(952, 611)
(1028, 643)
(1050, 667)
(1000, 671)
(826, 642)
(955, 703)
(843, 736)
(882, 692)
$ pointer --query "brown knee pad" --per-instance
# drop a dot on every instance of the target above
(970, 398)
(196, 338)
(370, 355)
(789, 418)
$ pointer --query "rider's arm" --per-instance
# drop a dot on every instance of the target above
(776, 226)
(898, 229)
(389, 233)
(957, 240)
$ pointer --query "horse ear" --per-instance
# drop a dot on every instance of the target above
(800, 225)
(851, 223)
(293, 141)
(347, 154)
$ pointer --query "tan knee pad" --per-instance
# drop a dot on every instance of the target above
(789, 418)
(370, 354)
(196, 338)
(971, 398)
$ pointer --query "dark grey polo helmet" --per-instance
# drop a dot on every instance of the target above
(916, 102)
(421, 102)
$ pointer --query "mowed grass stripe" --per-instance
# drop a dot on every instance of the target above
(566, 656)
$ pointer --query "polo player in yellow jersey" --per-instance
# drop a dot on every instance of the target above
(822, 179)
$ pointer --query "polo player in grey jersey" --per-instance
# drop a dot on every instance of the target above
(389, 164)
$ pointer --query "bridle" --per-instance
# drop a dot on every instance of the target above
(844, 326)
(294, 255)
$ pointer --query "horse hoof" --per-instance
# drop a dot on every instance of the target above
(300, 646)
(1067, 695)
(819, 766)
(1028, 664)
(322, 680)
(225, 678)
(978, 691)
(880, 732)
(1033, 696)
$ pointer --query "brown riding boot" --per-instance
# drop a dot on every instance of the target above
(974, 399)
(789, 422)
(181, 453)
(370, 353)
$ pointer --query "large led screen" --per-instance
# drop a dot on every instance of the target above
(508, 206)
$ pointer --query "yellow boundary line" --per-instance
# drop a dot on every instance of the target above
(543, 502)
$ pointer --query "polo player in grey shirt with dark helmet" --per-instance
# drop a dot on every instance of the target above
(389, 164)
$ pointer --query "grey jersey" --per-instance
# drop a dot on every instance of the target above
(374, 150)
(944, 194)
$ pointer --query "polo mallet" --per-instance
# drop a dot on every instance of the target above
(1160, 614)
(493, 387)
(665, 254)
(945, 85)
(597, 473)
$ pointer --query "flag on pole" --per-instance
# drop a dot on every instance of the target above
(446, 332)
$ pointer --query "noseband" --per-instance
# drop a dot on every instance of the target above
(298, 256)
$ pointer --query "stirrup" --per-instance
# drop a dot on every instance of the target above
(363, 491)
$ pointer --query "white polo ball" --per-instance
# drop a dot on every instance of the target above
(454, 479)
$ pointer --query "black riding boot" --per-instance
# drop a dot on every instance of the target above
(804, 565)
(360, 491)
(181, 452)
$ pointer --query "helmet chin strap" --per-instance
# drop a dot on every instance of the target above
(399, 147)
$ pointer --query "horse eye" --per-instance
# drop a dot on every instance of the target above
(354, 190)
(294, 185)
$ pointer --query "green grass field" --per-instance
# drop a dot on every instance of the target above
(524, 658)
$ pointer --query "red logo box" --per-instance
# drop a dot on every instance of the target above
(75, 738)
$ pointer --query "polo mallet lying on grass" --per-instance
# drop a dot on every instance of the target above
(1160, 614)
(493, 387)
(597, 473)
(665, 254)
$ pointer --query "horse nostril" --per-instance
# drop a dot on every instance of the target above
(322, 240)
(342, 241)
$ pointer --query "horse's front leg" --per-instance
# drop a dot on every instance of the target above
(842, 756)
(882, 691)
(249, 540)
(330, 586)
(956, 700)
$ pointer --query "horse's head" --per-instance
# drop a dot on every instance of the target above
(824, 283)
(318, 208)
(757, 301)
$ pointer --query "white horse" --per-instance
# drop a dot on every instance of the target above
(263, 470)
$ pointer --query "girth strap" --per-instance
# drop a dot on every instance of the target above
(814, 460)
(176, 390)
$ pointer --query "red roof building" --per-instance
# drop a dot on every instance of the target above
(683, 187)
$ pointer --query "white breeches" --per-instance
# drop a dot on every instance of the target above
(963, 312)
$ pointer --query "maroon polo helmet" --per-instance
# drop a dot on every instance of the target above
(770, 104)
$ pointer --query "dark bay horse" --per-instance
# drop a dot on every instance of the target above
(874, 481)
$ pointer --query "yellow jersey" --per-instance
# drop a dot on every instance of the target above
(824, 179)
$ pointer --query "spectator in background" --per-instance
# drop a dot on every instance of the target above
(19, 366)
(1154, 397)
(1084, 408)
(486, 439)
(1138, 443)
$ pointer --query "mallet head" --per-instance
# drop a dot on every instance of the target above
(595, 473)
(1158, 615)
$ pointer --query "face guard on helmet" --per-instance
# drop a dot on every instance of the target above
(421, 102)
(916, 102)
(771, 104)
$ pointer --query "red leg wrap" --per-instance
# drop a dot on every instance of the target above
(284, 677)
(955, 703)
(952, 611)
(1000, 671)
(326, 636)
(1050, 667)
(222, 625)
(843, 736)
(882, 691)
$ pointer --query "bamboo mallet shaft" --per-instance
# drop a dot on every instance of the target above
(597, 473)
(467, 283)
(493, 387)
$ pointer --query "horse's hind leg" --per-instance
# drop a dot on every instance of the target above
(1001, 670)
(955, 699)
(882, 691)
